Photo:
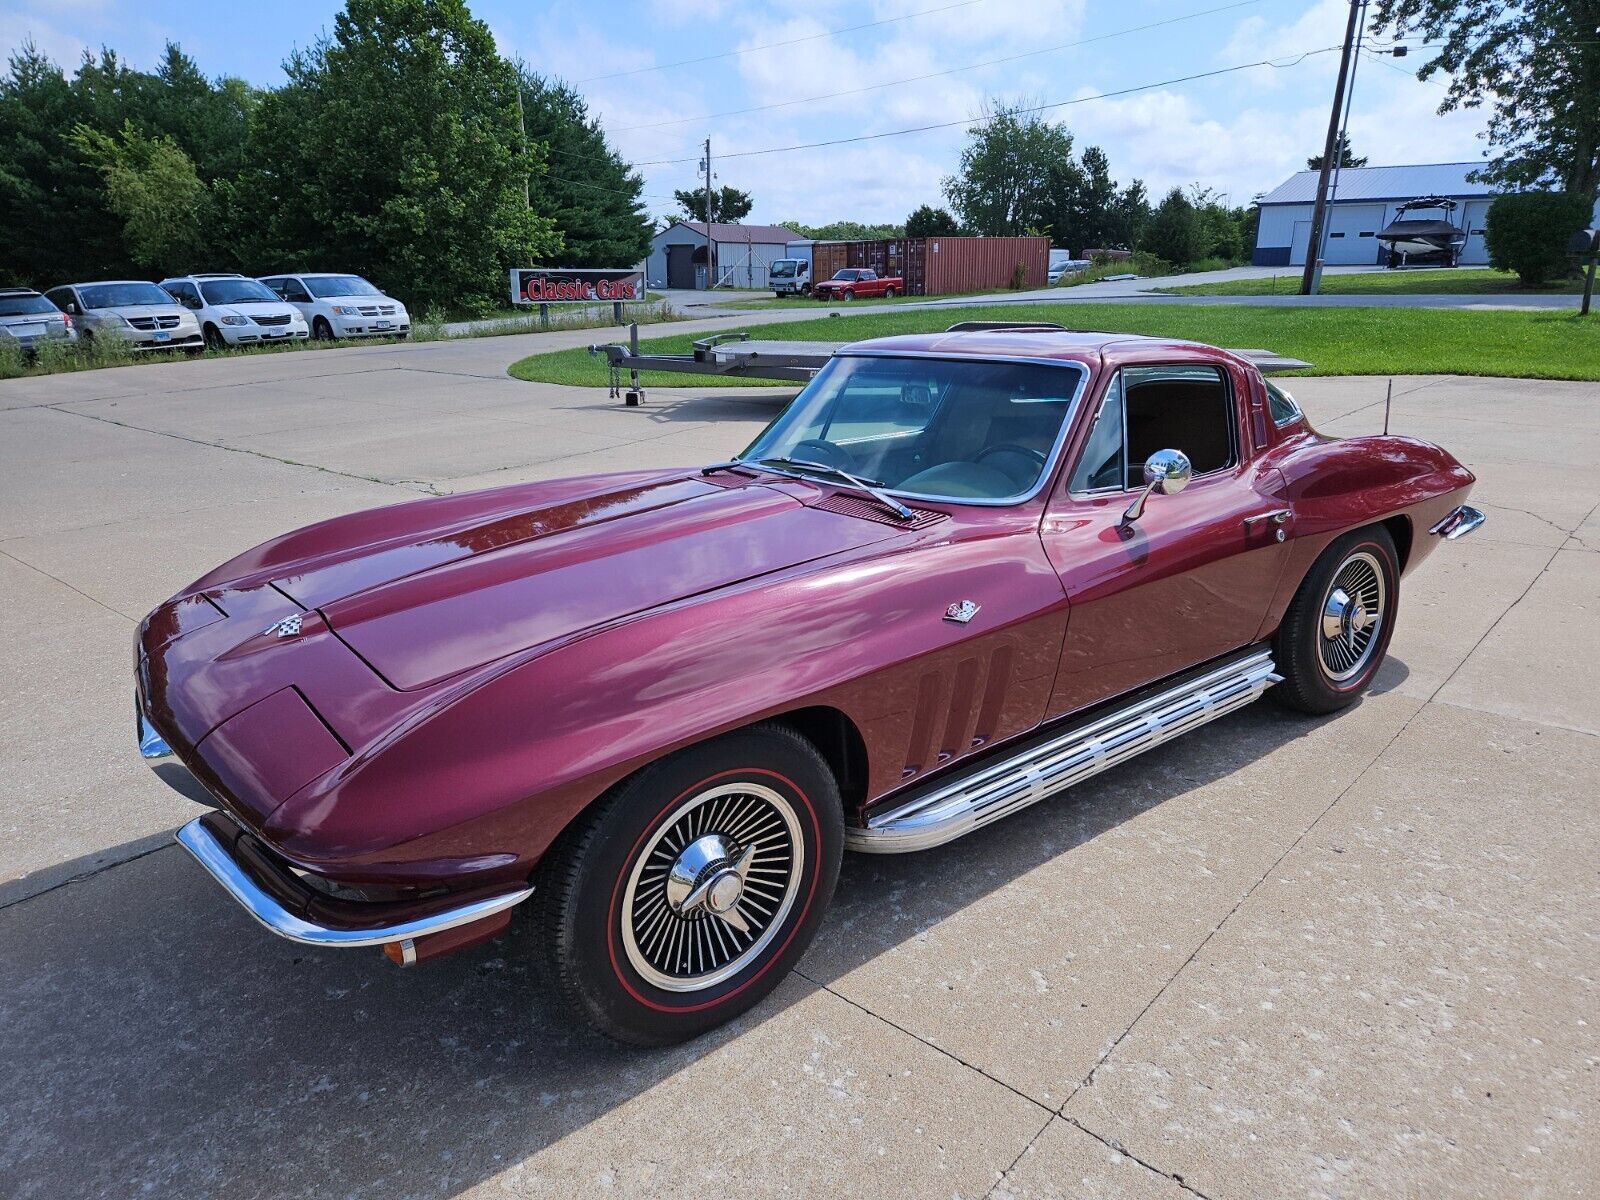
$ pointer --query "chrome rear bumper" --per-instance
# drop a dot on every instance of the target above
(1459, 522)
(209, 851)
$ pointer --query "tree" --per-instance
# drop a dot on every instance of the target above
(1342, 157)
(1130, 216)
(1535, 64)
(152, 188)
(1174, 232)
(844, 231)
(1527, 233)
(1003, 187)
(928, 221)
(728, 204)
(589, 193)
(395, 150)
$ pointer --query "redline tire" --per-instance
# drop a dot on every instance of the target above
(636, 968)
(1336, 633)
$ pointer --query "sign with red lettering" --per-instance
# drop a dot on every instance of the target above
(564, 285)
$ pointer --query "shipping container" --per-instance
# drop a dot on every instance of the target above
(942, 265)
(968, 264)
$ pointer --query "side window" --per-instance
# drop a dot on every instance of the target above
(184, 294)
(1100, 466)
(1187, 408)
(275, 286)
(294, 290)
(1281, 405)
(62, 299)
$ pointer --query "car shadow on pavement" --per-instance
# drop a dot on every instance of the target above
(158, 1040)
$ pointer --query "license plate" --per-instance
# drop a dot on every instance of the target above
(28, 331)
(383, 324)
(162, 335)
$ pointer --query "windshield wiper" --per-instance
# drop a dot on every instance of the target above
(864, 485)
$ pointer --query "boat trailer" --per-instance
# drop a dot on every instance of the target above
(737, 355)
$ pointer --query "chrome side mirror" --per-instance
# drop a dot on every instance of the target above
(1165, 471)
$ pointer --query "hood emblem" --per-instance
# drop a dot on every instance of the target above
(287, 627)
(961, 612)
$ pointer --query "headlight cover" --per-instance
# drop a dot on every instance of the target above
(234, 319)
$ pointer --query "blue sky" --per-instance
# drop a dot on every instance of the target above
(1240, 133)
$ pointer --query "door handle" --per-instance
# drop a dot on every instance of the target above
(1274, 520)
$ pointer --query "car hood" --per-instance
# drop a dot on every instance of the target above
(142, 310)
(435, 590)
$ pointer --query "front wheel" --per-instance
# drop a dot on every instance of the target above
(321, 330)
(213, 337)
(848, 296)
(1334, 637)
(687, 894)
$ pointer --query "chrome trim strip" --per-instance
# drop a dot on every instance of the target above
(1459, 522)
(209, 852)
(979, 799)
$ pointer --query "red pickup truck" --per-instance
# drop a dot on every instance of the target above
(857, 281)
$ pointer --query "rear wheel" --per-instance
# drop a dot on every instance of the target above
(1334, 637)
(685, 896)
(888, 293)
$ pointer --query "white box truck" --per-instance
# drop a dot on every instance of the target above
(791, 275)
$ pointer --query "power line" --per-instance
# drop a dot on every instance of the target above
(814, 37)
(991, 62)
(868, 137)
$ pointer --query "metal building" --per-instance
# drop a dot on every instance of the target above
(742, 252)
(1365, 203)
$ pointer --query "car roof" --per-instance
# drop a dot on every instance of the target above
(100, 282)
(325, 274)
(18, 292)
(1066, 345)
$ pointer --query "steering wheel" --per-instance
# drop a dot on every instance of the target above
(826, 453)
(1033, 456)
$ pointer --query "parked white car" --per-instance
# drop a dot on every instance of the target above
(235, 310)
(134, 310)
(341, 306)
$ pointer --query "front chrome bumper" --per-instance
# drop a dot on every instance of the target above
(209, 851)
(1459, 522)
(254, 887)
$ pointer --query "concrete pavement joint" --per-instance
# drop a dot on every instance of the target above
(1048, 1121)
(1129, 1154)
(178, 437)
(1088, 1080)
(40, 571)
(164, 842)
(1532, 583)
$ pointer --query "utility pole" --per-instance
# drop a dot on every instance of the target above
(711, 242)
(1319, 214)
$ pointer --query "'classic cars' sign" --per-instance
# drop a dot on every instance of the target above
(563, 285)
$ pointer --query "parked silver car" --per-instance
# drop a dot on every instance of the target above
(135, 310)
(27, 319)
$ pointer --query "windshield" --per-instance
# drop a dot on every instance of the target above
(844, 274)
(323, 286)
(237, 291)
(946, 429)
(784, 266)
(21, 306)
(123, 295)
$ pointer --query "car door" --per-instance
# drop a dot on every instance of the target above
(1193, 576)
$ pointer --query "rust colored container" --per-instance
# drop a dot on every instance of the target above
(970, 264)
(828, 257)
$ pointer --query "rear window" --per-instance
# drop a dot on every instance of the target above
(22, 306)
(1281, 405)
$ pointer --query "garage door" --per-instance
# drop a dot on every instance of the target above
(1351, 234)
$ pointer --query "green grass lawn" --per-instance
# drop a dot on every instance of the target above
(1338, 341)
(1459, 281)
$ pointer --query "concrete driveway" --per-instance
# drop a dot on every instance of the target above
(1352, 957)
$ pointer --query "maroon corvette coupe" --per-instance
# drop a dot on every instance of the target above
(960, 573)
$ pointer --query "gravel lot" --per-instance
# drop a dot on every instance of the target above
(1283, 957)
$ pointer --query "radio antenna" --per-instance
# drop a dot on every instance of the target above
(1388, 399)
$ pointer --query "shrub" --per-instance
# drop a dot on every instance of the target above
(12, 361)
(1174, 231)
(1019, 277)
(1527, 233)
